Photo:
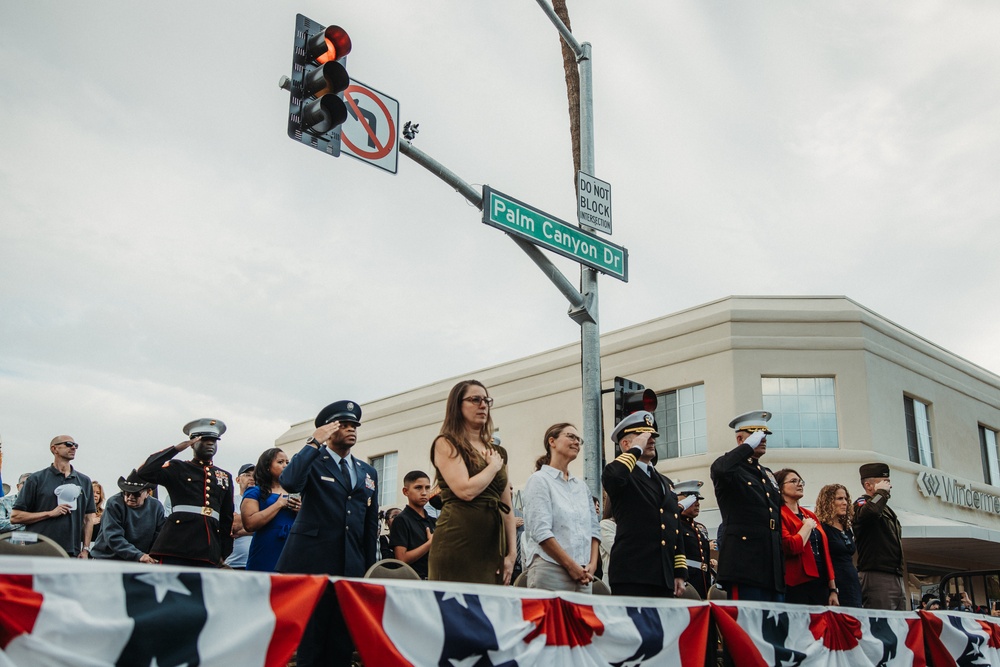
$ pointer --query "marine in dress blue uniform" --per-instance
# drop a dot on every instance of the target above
(751, 563)
(336, 531)
(647, 557)
(198, 531)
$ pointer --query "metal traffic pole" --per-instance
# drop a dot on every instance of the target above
(590, 330)
(583, 303)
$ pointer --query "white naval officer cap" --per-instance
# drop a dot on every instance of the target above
(689, 487)
(637, 422)
(752, 421)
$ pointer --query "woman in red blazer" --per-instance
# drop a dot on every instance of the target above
(809, 576)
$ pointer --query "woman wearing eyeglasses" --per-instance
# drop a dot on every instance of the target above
(809, 574)
(475, 537)
(561, 531)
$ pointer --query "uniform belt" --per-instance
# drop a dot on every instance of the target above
(697, 564)
(195, 509)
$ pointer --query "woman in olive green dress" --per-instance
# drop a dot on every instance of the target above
(474, 539)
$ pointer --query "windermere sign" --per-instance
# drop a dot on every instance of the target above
(950, 490)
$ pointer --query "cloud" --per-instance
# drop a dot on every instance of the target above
(166, 251)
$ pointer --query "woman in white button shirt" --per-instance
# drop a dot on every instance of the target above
(561, 531)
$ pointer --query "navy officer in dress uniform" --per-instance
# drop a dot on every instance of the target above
(701, 569)
(647, 558)
(198, 530)
(336, 531)
(751, 563)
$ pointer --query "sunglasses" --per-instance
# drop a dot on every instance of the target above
(132, 494)
(70, 443)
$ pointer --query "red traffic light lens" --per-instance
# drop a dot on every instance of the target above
(649, 400)
(331, 44)
(339, 41)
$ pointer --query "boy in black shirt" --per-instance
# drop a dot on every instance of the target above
(412, 531)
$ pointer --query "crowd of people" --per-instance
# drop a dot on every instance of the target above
(318, 513)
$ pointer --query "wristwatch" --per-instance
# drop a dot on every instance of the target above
(314, 441)
(835, 590)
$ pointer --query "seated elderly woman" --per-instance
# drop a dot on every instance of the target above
(561, 530)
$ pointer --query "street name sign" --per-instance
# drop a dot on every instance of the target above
(593, 202)
(514, 217)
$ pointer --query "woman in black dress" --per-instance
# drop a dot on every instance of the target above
(833, 507)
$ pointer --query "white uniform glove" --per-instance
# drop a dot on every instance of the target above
(755, 438)
(688, 501)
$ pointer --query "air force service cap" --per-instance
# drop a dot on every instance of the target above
(204, 428)
(344, 411)
(752, 421)
(688, 488)
(637, 422)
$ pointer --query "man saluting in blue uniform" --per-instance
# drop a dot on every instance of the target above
(336, 531)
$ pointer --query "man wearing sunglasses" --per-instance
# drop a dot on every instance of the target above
(130, 523)
(58, 502)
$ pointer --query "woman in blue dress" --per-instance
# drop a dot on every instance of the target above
(833, 507)
(268, 512)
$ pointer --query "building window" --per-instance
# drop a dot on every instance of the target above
(988, 445)
(680, 417)
(385, 466)
(918, 431)
(804, 412)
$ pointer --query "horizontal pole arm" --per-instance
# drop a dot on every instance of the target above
(576, 300)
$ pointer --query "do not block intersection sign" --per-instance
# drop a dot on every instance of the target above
(593, 202)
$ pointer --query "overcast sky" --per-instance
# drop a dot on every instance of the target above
(167, 253)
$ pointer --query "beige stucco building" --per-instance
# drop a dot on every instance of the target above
(846, 387)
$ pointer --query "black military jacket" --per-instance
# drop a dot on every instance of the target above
(699, 555)
(648, 548)
(750, 503)
(185, 534)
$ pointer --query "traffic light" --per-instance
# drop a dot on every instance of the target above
(317, 109)
(631, 397)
